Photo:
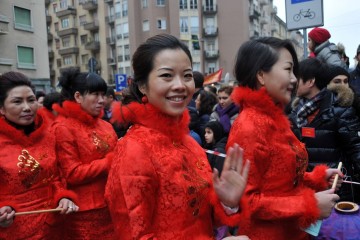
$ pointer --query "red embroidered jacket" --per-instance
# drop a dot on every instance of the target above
(84, 147)
(29, 179)
(279, 198)
(160, 183)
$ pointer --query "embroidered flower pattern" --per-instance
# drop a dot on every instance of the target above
(101, 144)
(29, 168)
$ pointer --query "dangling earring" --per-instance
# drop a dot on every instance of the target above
(144, 99)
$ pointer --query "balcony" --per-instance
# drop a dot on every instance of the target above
(264, 20)
(50, 37)
(90, 5)
(210, 9)
(254, 13)
(4, 24)
(93, 46)
(51, 54)
(48, 19)
(211, 55)
(91, 26)
(210, 31)
(109, 1)
(111, 61)
(6, 61)
(67, 31)
(274, 11)
(110, 40)
(67, 51)
(110, 19)
(66, 11)
(263, 2)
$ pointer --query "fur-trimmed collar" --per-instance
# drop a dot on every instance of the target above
(19, 136)
(73, 110)
(262, 102)
(344, 95)
(151, 117)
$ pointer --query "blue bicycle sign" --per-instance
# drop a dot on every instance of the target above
(305, 14)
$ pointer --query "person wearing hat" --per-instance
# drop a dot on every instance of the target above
(321, 48)
(355, 74)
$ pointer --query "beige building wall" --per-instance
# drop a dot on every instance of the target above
(16, 32)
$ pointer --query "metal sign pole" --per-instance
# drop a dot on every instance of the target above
(305, 43)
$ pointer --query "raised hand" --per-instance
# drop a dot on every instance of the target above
(231, 185)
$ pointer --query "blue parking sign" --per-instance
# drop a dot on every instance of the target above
(120, 82)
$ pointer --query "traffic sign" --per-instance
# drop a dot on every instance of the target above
(302, 14)
(120, 82)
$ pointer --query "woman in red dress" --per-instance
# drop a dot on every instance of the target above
(160, 184)
(85, 146)
(29, 175)
(281, 199)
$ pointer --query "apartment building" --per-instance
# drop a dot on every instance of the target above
(102, 35)
(23, 38)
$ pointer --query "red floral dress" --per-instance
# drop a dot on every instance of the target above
(29, 180)
(84, 147)
(160, 183)
(279, 198)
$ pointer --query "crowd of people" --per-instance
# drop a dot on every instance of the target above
(173, 159)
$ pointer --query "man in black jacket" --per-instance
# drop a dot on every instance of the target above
(329, 130)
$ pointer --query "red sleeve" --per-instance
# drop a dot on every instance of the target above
(73, 169)
(317, 178)
(131, 191)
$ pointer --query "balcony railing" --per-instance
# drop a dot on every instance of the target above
(93, 46)
(91, 26)
(111, 40)
(67, 31)
(90, 5)
(110, 19)
(51, 54)
(50, 36)
(211, 54)
(210, 9)
(66, 11)
(111, 61)
(71, 50)
(210, 31)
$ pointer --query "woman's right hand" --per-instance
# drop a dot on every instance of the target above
(326, 202)
(7, 215)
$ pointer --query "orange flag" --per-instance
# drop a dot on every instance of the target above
(214, 77)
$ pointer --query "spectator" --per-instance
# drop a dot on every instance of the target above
(355, 74)
(40, 98)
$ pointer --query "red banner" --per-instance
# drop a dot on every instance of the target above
(214, 77)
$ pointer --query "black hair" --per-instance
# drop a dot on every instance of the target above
(39, 94)
(260, 55)
(72, 80)
(218, 131)
(313, 68)
(110, 92)
(226, 89)
(207, 102)
(212, 89)
(50, 99)
(143, 62)
(198, 79)
(10, 80)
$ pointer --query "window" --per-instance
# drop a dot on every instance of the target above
(26, 57)
(194, 23)
(211, 67)
(209, 5)
(57, 43)
(125, 30)
(161, 24)
(68, 60)
(56, 25)
(196, 66)
(55, 7)
(66, 42)
(146, 26)
(183, 4)
(125, 8)
(83, 39)
(160, 3)
(65, 23)
(193, 4)
(82, 20)
(184, 28)
(145, 3)
(127, 52)
(63, 4)
(23, 19)
(117, 10)
(85, 59)
(118, 30)
(58, 62)
(96, 37)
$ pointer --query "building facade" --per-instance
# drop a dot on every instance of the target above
(23, 38)
(102, 35)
